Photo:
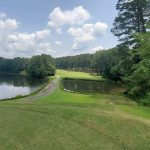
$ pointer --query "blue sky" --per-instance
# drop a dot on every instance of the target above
(56, 27)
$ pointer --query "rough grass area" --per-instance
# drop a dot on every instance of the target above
(71, 121)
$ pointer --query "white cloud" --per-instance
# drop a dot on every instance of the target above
(59, 17)
(58, 43)
(59, 31)
(15, 43)
(8, 24)
(79, 46)
(100, 29)
(95, 49)
(2, 15)
(28, 44)
(88, 32)
(42, 34)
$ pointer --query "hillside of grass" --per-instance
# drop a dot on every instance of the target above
(71, 121)
(77, 75)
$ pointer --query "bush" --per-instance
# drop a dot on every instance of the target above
(146, 101)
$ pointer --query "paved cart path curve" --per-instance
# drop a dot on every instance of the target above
(49, 89)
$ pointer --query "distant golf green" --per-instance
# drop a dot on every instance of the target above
(62, 120)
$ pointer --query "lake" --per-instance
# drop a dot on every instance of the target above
(14, 85)
(91, 86)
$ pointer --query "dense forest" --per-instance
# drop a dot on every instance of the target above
(15, 65)
(37, 66)
(81, 62)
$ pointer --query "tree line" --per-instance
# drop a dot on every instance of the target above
(37, 66)
(15, 65)
(79, 63)
(103, 63)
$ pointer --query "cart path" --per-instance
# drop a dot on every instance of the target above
(49, 89)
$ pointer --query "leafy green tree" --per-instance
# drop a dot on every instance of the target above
(140, 78)
(80, 62)
(15, 65)
(132, 18)
(105, 62)
(41, 66)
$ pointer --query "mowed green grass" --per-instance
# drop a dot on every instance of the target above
(70, 121)
(78, 75)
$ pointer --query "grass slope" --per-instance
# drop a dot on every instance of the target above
(77, 75)
(70, 121)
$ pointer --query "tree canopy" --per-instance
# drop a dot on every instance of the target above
(37, 66)
(41, 66)
(132, 18)
(15, 65)
(81, 62)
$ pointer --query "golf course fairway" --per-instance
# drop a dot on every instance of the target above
(71, 121)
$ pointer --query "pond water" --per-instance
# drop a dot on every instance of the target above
(14, 85)
(91, 86)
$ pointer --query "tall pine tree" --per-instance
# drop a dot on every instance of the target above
(132, 18)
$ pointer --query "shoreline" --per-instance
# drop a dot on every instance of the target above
(30, 94)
